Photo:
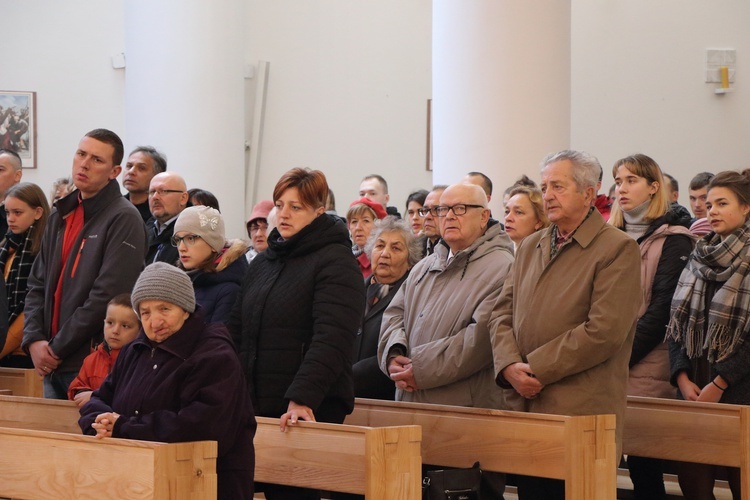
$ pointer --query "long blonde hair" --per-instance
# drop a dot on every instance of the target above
(642, 166)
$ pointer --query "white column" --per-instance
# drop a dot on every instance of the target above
(184, 93)
(500, 88)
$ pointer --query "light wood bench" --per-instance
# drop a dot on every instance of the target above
(381, 463)
(41, 464)
(580, 450)
(708, 433)
(22, 381)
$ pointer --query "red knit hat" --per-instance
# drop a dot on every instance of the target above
(376, 207)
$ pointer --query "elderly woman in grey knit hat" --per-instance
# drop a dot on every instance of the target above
(215, 266)
(180, 380)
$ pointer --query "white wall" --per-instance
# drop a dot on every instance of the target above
(349, 80)
(638, 84)
(347, 91)
(62, 51)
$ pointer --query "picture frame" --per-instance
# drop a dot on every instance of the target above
(18, 125)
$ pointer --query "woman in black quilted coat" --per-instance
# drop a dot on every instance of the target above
(298, 312)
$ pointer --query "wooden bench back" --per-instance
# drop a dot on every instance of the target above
(381, 463)
(40, 464)
(580, 450)
(22, 381)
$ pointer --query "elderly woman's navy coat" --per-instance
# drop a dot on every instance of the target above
(188, 388)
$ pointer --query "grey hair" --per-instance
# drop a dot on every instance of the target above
(160, 161)
(391, 224)
(586, 168)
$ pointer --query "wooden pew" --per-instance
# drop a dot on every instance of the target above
(22, 381)
(52, 415)
(709, 433)
(40, 464)
(381, 463)
(580, 450)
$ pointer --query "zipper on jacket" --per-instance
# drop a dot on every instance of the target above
(78, 258)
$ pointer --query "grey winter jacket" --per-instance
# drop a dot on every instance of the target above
(440, 317)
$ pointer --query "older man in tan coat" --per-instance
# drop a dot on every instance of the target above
(565, 321)
(434, 338)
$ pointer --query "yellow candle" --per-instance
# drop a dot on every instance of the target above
(724, 77)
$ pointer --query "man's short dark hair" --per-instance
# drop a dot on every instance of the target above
(109, 137)
(486, 182)
(17, 163)
(160, 161)
(380, 179)
(701, 180)
(673, 182)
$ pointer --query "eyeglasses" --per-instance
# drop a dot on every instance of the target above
(258, 227)
(189, 240)
(162, 192)
(427, 210)
(457, 209)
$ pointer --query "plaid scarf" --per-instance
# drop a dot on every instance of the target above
(15, 284)
(723, 262)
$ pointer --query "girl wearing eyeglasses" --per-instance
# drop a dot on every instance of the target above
(215, 266)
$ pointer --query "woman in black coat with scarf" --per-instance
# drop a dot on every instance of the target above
(299, 309)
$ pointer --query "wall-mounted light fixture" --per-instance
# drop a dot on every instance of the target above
(720, 68)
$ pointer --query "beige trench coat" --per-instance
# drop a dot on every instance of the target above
(572, 319)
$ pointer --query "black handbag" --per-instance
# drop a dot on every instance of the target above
(452, 484)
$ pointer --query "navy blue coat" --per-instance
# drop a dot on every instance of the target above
(217, 291)
(187, 388)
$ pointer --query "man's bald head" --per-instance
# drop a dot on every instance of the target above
(461, 230)
(167, 196)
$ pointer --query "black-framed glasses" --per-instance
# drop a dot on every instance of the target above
(162, 192)
(189, 240)
(459, 209)
(254, 227)
(423, 211)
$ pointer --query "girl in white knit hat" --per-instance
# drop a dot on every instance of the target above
(215, 266)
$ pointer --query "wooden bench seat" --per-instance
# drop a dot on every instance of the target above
(580, 450)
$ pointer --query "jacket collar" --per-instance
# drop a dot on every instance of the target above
(584, 235)
(91, 205)
(181, 343)
(385, 301)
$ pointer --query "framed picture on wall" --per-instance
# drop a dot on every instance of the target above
(18, 125)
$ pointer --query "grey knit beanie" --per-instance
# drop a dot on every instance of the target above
(162, 281)
(205, 222)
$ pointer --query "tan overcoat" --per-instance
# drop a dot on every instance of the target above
(572, 319)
